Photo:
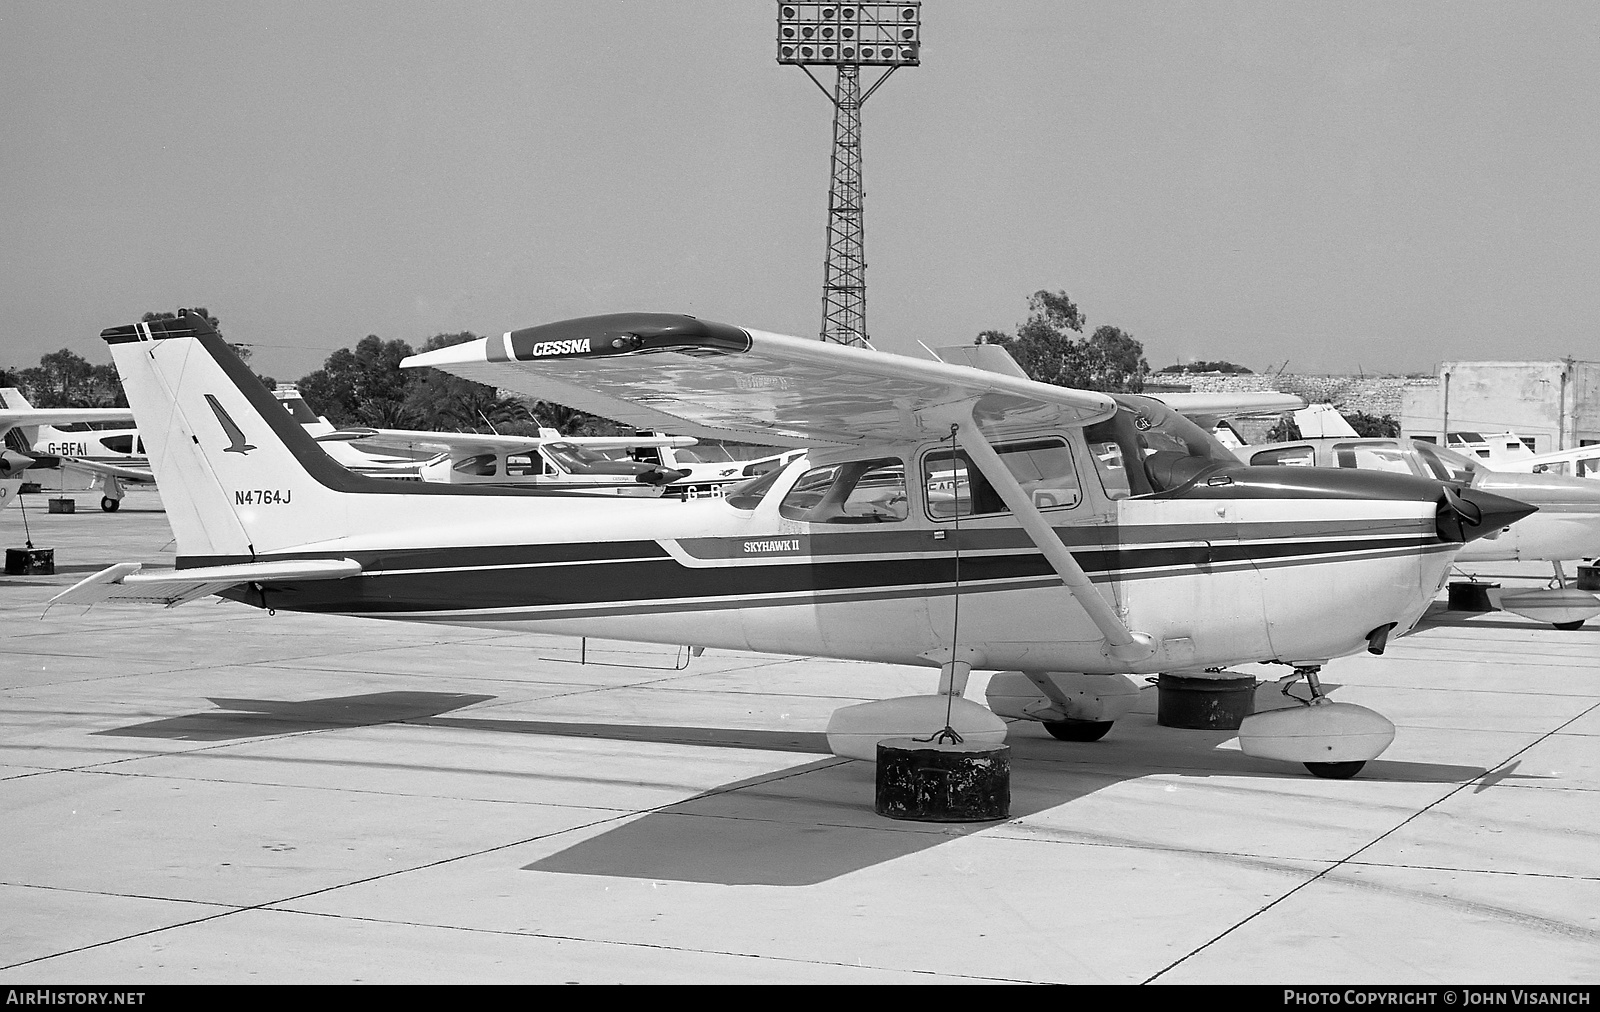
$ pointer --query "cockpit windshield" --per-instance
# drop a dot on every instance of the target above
(1147, 447)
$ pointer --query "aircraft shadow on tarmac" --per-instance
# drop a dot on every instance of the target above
(258, 718)
(794, 826)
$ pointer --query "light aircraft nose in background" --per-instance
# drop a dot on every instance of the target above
(1567, 526)
(1081, 538)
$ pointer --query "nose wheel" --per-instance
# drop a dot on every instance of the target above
(1326, 770)
(1335, 771)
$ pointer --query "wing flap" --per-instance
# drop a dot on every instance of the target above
(127, 582)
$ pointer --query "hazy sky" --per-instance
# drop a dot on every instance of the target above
(1381, 184)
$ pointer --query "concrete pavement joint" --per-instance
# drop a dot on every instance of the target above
(1374, 842)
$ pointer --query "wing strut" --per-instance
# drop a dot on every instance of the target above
(1121, 642)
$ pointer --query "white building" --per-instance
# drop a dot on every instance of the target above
(1555, 404)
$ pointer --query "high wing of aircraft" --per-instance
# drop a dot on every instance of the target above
(32, 441)
(1566, 527)
(945, 515)
(549, 460)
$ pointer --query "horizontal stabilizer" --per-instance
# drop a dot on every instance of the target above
(127, 581)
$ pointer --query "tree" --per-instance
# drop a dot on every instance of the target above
(65, 379)
(1047, 351)
(1113, 360)
(1220, 365)
(1285, 431)
(361, 386)
(1373, 426)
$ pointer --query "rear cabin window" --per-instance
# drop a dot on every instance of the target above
(1287, 456)
(521, 465)
(1372, 457)
(953, 486)
(857, 492)
(479, 466)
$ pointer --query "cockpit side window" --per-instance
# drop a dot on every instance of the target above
(1373, 457)
(953, 486)
(856, 492)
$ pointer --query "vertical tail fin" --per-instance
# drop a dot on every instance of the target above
(12, 399)
(238, 476)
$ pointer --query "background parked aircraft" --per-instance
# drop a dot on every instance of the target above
(34, 442)
(1567, 526)
(549, 460)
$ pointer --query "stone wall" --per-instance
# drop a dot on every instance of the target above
(1372, 395)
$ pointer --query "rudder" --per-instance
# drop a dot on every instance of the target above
(235, 480)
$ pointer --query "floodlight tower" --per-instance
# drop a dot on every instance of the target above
(848, 36)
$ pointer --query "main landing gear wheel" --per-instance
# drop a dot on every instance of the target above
(1570, 625)
(1336, 771)
(1078, 730)
(109, 504)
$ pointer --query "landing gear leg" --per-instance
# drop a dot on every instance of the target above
(1331, 770)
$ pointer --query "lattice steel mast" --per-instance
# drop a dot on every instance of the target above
(848, 37)
(844, 271)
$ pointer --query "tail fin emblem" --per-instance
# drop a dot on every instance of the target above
(230, 428)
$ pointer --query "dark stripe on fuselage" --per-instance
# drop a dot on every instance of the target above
(884, 539)
(489, 578)
(649, 606)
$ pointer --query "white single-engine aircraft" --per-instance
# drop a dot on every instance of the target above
(548, 460)
(43, 447)
(1085, 537)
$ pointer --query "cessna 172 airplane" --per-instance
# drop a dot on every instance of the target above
(548, 460)
(1079, 538)
(31, 441)
(1566, 527)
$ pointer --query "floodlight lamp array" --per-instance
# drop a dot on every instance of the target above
(832, 35)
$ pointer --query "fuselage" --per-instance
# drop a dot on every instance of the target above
(1249, 568)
